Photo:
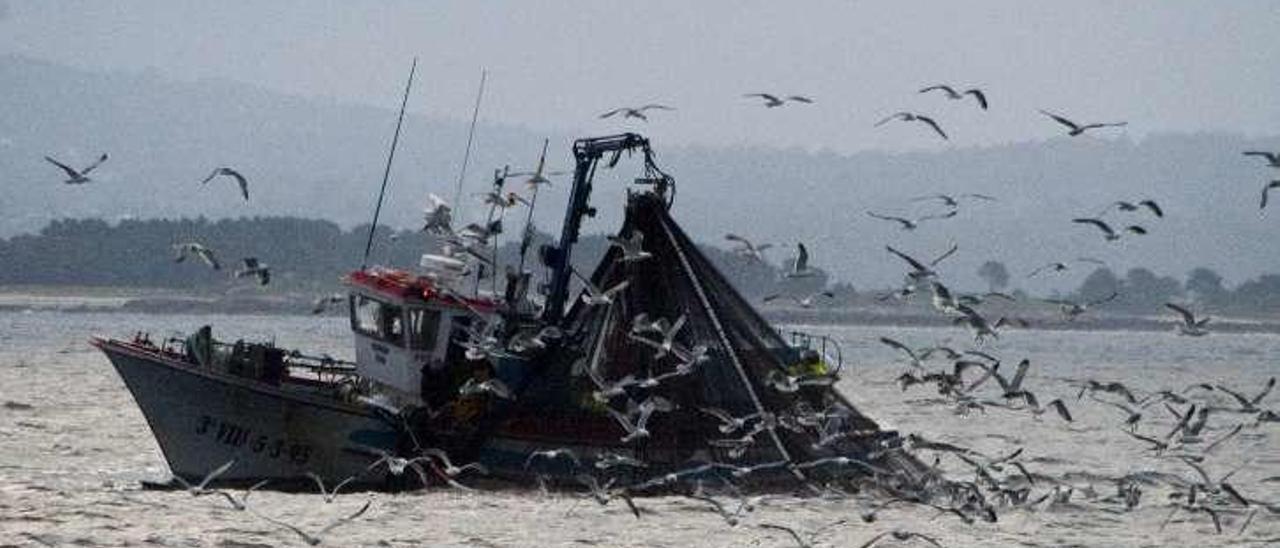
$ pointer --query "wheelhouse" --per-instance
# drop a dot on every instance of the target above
(403, 324)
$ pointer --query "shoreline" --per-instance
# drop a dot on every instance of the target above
(94, 300)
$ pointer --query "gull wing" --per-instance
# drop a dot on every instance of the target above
(1061, 120)
(94, 165)
(1187, 317)
(949, 252)
(932, 124)
(70, 172)
(914, 263)
(979, 95)
(1096, 222)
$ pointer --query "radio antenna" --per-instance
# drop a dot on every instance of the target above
(466, 156)
(386, 173)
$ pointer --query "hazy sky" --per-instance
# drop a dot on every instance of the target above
(1161, 65)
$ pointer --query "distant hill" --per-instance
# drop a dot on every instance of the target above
(318, 158)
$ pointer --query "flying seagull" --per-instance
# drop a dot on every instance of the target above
(632, 246)
(1130, 206)
(1267, 189)
(1051, 267)
(203, 253)
(913, 117)
(240, 180)
(635, 112)
(747, 248)
(1190, 325)
(1074, 129)
(258, 270)
(77, 177)
(803, 302)
(953, 201)
(919, 270)
(437, 216)
(954, 95)
(323, 303)
(772, 101)
(1107, 232)
(1272, 158)
(912, 224)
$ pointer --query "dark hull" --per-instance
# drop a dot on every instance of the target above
(202, 419)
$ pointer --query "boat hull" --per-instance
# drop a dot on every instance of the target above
(203, 419)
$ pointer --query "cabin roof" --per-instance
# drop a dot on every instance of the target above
(411, 288)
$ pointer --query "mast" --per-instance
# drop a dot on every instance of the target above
(466, 156)
(386, 173)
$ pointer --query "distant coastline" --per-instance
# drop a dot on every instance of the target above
(91, 300)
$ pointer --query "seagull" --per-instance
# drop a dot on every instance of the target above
(1272, 158)
(553, 454)
(772, 101)
(953, 201)
(437, 216)
(1113, 387)
(639, 428)
(913, 117)
(1072, 309)
(921, 271)
(490, 386)
(314, 539)
(201, 489)
(323, 303)
(609, 460)
(1075, 129)
(632, 246)
(450, 469)
(729, 423)
(667, 331)
(1249, 405)
(240, 180)
(1267, 189)
(595, 296)
(637, 112)
(1130, 206)
(1054, 267)
(328, 495)
(77, 177)
(203, 253)
(800, 268)
(1190, 325)
(252, 267)
(912, 224)
(901, 536)
(891, 343)
(1107, 232)
(954, 95)
(799, 539)
(805, 302)
(747, 248)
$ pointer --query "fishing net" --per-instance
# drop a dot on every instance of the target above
(788, 408)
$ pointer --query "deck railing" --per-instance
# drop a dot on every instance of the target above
(826, 347)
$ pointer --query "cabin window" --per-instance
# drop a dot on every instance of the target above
(374, 318)
(364, 315)
(392, 324)
(423, 326)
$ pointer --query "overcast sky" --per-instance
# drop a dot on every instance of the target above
(1166, 65)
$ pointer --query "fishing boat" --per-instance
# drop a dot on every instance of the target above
(668, 369)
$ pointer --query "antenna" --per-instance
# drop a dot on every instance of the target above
(466, 156)
(527, 237)
(386, 173)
